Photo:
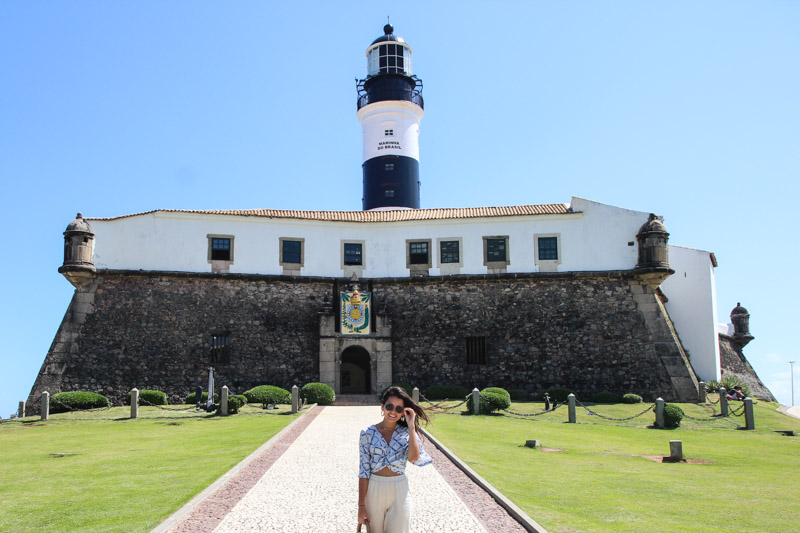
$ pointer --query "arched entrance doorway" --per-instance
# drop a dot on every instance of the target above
(356, 377)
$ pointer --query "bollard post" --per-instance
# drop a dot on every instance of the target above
(224, 399)
(749, 420)
(295, 398)
(571, 399)
(21, 410)
(675, 450)
(546, 402)
(660, 412)
(198, 391)
(45, 405)
(415, 395)
(723, 401)
(476, 401)
(702, 392)
(134, 403)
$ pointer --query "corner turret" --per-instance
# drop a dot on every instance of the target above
(740, 319)
(653, 263)
(78, 267)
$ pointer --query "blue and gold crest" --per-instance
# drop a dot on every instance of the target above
(355, 312)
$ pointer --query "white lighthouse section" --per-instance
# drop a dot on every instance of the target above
(390, 128)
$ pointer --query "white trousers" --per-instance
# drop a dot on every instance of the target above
(389, 504)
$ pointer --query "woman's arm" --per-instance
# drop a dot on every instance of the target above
(413, 445)
(363, 483)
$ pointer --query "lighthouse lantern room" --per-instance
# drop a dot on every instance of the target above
(390, 108)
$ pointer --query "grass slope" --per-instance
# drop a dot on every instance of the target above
(120, 475)
(601, 482)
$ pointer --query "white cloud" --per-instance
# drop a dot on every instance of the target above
(774, 358)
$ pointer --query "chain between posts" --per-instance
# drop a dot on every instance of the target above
(718, 418)
(439, 407)
(595, 413)
(737, 412)
(70, 409)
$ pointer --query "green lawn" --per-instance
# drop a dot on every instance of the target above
(119, 474)
(747, 481)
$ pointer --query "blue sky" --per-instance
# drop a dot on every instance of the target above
(686, 109)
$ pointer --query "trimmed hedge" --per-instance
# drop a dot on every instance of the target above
(234, 404)
(266, 394)
(607, 397)
(446, 392)
(191, 398)
(408, 387)
(490, 402)
(498, 390)
(80, 399)
(556, 393)
(318, 393)
(149, 397)
(631, 398)
(672, 416)
(241, 398)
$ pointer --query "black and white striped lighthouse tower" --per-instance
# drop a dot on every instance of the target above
(390, 108)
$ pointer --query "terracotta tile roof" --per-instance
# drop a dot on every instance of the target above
(395, 215)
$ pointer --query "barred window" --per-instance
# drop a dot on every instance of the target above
(449, 252)
(476, 350)
(292, 252)
(220, 349)
(548, 248)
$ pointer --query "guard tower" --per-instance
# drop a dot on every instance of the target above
(390, 108)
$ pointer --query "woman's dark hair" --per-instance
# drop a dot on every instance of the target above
(408, 401)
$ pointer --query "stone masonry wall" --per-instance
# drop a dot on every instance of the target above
(734, 363)
(152, 330)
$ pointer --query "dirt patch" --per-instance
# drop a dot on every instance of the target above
(551, 450)
(668, 459)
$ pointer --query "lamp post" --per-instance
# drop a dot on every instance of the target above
(791, 375)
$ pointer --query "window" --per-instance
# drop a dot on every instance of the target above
(292, 252)
(352, 253)
(220, 251)
(389, 193)
(220, 349)
(389, 166)
(548, 248)
(449, 252)
(495, 250)
(418, 253)
(388, 133)
(389, 59)
(476, 350)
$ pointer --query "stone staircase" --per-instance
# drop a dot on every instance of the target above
(357, 399)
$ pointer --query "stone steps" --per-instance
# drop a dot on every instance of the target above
(357, 399)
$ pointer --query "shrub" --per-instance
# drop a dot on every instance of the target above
(489, 402)
(516, 395)
(234, 404)
(149, 397)
(191, 398)
(729, 382)
(498, 390)
(631, 398)
(66, 401)
(266, 394)
(672, 416)
(241, 398)
(712, 386)
(607, 397)
(556, 393)
(318, 393)
(408, 387)
(446, 392)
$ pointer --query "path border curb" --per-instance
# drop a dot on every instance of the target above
(518, 514)
(188, 507)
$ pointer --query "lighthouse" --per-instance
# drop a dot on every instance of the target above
(390, 108)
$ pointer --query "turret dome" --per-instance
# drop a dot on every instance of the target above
(79, 225)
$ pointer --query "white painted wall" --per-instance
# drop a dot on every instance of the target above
(692, 305)
(596, 239)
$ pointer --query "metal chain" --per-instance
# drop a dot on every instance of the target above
(142, 400)
(595, 413)
(739, 413)
(439, 407)
(106, 408)
(712, 403)
(530, 415)
(700, 419)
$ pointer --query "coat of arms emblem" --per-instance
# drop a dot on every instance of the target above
(355, 312)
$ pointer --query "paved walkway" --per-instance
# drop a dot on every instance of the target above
(791, 411)
(312, 486)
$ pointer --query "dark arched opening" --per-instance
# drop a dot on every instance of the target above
(356, 375)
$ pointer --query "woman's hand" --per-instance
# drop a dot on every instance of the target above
(363, 517)
(410, 416)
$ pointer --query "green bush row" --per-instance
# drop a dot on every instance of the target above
(266, 394)
(191, 398)
(67, 401)
(234, 403)
(492, 399)
(446, 392)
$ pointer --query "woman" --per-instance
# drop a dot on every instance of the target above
(383, 496)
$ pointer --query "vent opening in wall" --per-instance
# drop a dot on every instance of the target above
(476, 350)
(220, 349)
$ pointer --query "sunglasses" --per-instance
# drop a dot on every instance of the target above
(395, 408)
